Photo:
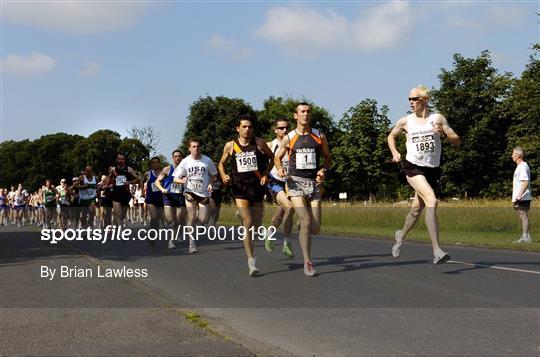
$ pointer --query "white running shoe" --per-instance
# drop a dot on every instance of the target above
(396, 249)
(253, 271)
(171, 244)
(441, 257)
(192, 248)
(523, 239)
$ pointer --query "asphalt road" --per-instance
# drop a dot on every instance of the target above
(363, 302)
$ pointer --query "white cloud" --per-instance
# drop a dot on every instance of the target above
(73, 16)
(218, 43)
(91, 68)
(308, 32)
(227, 47)
(28, 65)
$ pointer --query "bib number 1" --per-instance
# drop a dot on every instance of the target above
(306, 161)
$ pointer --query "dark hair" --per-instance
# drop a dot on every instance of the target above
(299, 104)
(121, 153)
(244, 117)
(193, 140)
(155, 158)
(177, 150)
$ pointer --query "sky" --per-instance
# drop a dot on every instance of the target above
(81, 66)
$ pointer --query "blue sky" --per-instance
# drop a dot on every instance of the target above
(80, 66)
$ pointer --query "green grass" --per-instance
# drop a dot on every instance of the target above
(483, 223)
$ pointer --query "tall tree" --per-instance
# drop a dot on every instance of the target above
(98, 150)
(470, 97)
(213, 121)
(361, 156)
(523, 109)
(274, 107)
(136, 153)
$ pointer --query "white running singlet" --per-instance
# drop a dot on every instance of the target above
(423, 145)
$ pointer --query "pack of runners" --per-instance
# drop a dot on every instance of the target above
(290, 169)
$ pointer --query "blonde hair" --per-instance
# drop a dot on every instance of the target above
(424, 92)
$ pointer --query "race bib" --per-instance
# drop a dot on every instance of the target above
(154, 188)
(306, 160)
(246, 162)
(140, 200)
(195, 184)
(49, 198)
(121, 180)
(175, 188)
(424, 144)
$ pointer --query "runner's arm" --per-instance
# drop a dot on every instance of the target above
(394, 133)
(280, 154)
(224, 159)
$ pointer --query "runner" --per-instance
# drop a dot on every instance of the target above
(247, 181)
(276, 187)
(521, 194)
(197, 173)
(154, 197)
(3, 206)
(104, 193)
(50, 194)
(19, 202)
(75, 210)
(87, 185)
(63, 192)
(121, 176)
(174, 204)
(305, 145)
(424, 131)
(10, 198)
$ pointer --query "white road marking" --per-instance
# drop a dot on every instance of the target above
(494, 267)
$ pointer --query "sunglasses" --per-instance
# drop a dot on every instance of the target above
(282, 128)
(414, 99)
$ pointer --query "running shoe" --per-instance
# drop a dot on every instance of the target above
(308, 269)
(523, 239)
(396, 249)
(269, 244)
(441, 258)
(192, 248)
(253, 271)
(287, 250)
(171, 244)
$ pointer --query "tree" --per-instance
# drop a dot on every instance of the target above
(524, 113)
(470, 97)
(98, 150)
(136, 153)
(361, 156)
(213, 122)
(274, 107)
(148, 137)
